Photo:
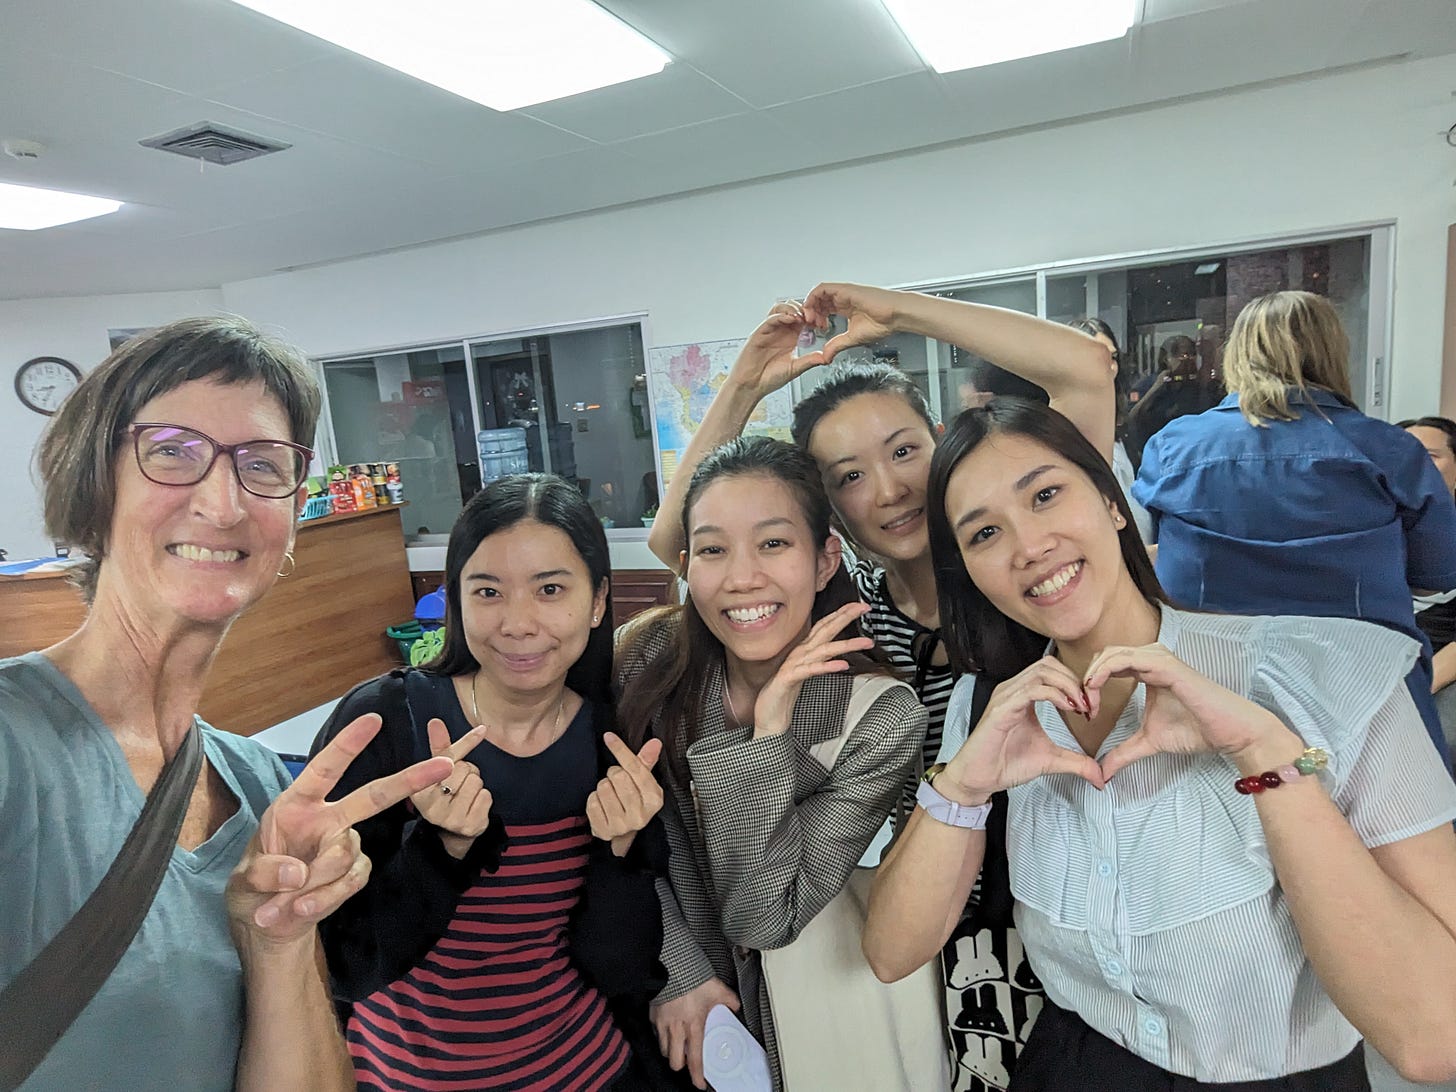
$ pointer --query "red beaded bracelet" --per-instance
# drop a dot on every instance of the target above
(1311, 762)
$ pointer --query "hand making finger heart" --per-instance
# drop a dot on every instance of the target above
(459, 806)
(628, 797)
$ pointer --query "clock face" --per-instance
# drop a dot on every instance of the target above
(44, 382)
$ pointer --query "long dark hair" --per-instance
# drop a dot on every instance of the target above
(669, 687)
(553, 502)
(978, 637)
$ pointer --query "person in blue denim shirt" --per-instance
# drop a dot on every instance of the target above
(1286, 499)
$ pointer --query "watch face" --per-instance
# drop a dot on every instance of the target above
(44, 382)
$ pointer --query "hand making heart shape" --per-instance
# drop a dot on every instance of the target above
(1009, 747)
(1184, 712)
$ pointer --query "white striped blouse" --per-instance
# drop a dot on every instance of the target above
(1152, 909)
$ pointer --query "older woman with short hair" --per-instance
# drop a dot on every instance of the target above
(178, 467)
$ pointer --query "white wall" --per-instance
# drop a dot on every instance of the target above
(73, 328)
(1349, 148)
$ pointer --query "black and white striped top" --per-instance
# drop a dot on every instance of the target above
(910, 647)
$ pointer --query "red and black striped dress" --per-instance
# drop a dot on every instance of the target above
(497, 1003)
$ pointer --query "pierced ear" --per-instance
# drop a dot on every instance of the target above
(599, 602)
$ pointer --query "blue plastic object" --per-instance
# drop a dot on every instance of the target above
(431, 607)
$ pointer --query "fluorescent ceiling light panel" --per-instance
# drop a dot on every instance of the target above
(504, 54)
(26, 208)
(954, 34)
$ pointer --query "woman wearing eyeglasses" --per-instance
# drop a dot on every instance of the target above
(177, 466)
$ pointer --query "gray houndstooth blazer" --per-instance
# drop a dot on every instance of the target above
(765, 836)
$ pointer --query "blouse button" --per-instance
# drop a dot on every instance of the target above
(1104, 869)
(1153, 1026)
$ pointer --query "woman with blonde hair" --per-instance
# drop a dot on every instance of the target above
(1286, 499)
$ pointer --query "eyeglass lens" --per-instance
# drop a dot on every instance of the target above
(178, 456)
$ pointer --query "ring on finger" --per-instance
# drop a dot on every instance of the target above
(446, 790)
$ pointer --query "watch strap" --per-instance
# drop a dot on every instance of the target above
(944, 810)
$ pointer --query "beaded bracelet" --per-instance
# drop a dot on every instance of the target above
(1311, 762)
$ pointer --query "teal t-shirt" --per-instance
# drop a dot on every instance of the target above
(171, 1014)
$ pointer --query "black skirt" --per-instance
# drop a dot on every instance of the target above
(1065, 1055)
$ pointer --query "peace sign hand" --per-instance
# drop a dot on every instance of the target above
(1184, 712)
(1009, 747)
(767, 361)
(304, 860)
(818, 654)
(628, 797)
(459, 806)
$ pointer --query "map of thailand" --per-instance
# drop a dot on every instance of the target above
(683, 380)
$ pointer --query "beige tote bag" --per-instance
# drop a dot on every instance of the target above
(836, 1024)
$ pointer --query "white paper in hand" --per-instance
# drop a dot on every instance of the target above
(733, 1060)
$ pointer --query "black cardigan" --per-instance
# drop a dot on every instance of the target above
(386, 929)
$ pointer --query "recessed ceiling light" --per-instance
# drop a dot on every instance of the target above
(1205, 269)
(954, 34)
(504, 54)
(25, 208)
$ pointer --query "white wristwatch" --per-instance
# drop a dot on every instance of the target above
(944, 810)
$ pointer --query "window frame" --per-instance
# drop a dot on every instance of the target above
(1381, 234)
(326, 443)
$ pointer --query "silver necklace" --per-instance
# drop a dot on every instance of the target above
(728, 697)
(560, 707)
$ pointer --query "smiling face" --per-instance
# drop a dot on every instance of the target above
(874, 451)
(527, 604)
(753, 566)
(197, 554)
(1438, 447)
(1039, 540)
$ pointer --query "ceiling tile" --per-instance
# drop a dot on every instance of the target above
(355, 99)
(768, 52)
(678, 95)
(187, 45)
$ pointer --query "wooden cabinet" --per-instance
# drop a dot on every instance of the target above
(636, 590)
(425, 583)
(315, 634)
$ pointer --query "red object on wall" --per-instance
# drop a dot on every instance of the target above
(424, 392)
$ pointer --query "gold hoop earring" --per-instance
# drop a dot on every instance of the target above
(292, 564)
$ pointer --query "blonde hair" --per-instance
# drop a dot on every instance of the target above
(1283, 340)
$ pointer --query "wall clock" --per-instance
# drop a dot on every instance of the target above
(43, 383)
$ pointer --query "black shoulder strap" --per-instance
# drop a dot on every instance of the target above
(996, 901)
(43, 1000)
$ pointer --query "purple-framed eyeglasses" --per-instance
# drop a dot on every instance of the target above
(174, 455)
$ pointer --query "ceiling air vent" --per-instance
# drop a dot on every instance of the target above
(214, 143)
